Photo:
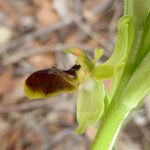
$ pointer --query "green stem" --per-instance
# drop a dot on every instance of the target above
(131, 80)
(110, 126)
(128, 7)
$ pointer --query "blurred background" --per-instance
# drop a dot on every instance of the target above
(33, 34)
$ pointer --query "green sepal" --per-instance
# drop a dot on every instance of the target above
(103, 72)
(106, 71)
(90, 103)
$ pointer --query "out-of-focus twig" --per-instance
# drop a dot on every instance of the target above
(101, 7)
(29, 105)
(28, 38)
(31, 121)
(78, 8)
(87, 29)
(10, 59)
(118, 11)
(57, 138)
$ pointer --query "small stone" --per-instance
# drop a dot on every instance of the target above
(5, 34)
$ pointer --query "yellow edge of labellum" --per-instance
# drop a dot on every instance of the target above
(49, 82)
(32, 94)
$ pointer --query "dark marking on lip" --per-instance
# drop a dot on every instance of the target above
(53, 80)
(73, 70)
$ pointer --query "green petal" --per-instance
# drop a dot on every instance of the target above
(97, 54)
(90, 103)
(103, 72)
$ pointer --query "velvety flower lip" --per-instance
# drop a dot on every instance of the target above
(53, 80)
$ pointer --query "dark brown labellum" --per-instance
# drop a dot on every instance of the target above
(53, 80)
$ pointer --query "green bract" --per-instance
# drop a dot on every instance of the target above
(138, 85)
(115, 65)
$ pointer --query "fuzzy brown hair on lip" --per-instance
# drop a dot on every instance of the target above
(53, 80)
